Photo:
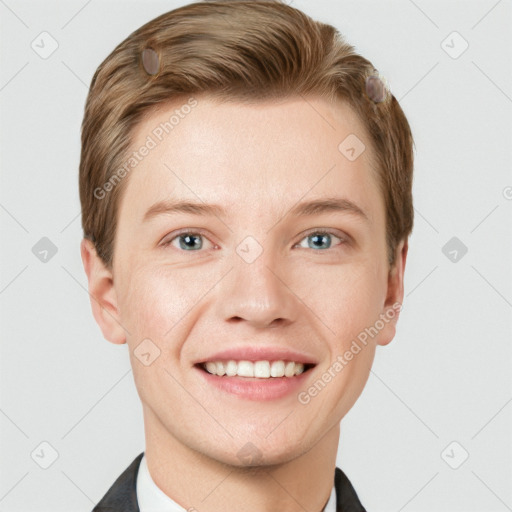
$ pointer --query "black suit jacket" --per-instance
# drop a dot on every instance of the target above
(122, 496)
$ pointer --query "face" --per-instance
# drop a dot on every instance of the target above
(255, 280)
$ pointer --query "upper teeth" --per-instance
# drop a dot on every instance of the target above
(260, 369)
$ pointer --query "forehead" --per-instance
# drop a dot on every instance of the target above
(270, 153)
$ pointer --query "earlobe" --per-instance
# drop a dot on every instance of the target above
(102, 294)
(395, 295)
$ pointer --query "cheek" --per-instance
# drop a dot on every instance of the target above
(346, 299)
(152, 303)
(159, 303)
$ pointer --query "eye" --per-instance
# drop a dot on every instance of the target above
(189, 241)
(192, 241)
(320, 239)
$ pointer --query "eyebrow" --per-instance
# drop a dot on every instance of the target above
(308, 208)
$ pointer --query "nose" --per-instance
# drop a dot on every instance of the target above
(257, 293)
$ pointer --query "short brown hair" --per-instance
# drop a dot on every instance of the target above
(242, 50)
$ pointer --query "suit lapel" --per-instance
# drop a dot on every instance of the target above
(346, 496)
(122, 496)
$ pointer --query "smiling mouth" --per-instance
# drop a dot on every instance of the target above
(255, 369)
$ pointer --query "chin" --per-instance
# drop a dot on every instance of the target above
(259, 452)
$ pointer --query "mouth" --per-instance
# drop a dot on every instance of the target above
(261, 380)
(255, 369)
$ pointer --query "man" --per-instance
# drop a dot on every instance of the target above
(245, 182)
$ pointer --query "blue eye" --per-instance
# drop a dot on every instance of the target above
(191, 241)
(320, 240)
(187, 240)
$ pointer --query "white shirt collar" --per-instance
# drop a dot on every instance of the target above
(152, 499)
(149, 496)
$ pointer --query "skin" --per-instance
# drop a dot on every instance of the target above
(257, 161)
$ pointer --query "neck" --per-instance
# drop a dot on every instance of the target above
(201, 483)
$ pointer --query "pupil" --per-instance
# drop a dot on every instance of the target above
(320, 236)
(188, 244)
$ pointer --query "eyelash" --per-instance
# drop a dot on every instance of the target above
(344, 239)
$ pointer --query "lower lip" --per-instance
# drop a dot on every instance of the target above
(254, 388)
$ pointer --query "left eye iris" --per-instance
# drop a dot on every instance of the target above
(190, 241)
(319, 240)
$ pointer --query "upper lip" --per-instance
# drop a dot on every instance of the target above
(259, 353)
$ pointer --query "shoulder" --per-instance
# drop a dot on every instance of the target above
(122, 495)
(346, 496)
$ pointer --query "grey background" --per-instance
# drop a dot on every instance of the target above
(445, 377)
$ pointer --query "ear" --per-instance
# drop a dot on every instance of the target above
(102, 294)
(395, 295)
